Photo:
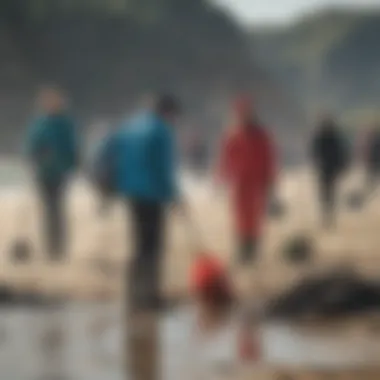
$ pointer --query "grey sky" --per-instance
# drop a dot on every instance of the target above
(280, 11)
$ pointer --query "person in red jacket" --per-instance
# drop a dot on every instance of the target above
(247, 165)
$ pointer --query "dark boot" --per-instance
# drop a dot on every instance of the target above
(144, 293)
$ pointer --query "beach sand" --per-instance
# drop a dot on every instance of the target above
(104, 242)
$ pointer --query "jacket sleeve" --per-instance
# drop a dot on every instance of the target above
(164, 161)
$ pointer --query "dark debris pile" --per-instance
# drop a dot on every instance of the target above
(10, 297)
(333, 295)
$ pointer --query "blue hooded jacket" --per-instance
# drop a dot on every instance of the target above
(52, 146)
(143, 159)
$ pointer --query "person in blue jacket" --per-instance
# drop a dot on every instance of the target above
(52, 149)
(142, 158)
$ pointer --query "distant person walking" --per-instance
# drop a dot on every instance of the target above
(144, 154)
(196, 152)
(52, 147)
(247, 165)
(371, 158)
(330, 158)
(102, 172)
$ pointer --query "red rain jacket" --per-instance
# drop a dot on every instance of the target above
(247, 163)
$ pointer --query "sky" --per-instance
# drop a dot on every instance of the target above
(251, 12)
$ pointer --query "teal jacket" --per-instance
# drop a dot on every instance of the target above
(52, 147)
(142, 159)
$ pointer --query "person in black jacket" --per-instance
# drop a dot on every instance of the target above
(372, 159)
(330, 159)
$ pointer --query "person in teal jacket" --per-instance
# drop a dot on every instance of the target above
(53, 151)
(141, 161)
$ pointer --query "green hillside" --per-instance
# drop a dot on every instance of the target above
(330, 60)
(106, 53)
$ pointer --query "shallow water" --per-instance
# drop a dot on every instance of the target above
(83, 341)
(75, 342)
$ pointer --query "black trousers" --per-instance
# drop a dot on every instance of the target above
(148, 224)
(52, 197)
(327, 197)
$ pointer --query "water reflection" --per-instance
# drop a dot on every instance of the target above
(52, 345)
(76, 342)
(95, 347)
(85, 342)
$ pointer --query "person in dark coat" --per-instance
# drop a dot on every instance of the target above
(330, 159)
(53, 150)
(371, 158)
(196, 151)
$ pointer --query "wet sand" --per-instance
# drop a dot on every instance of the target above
(96, 243)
